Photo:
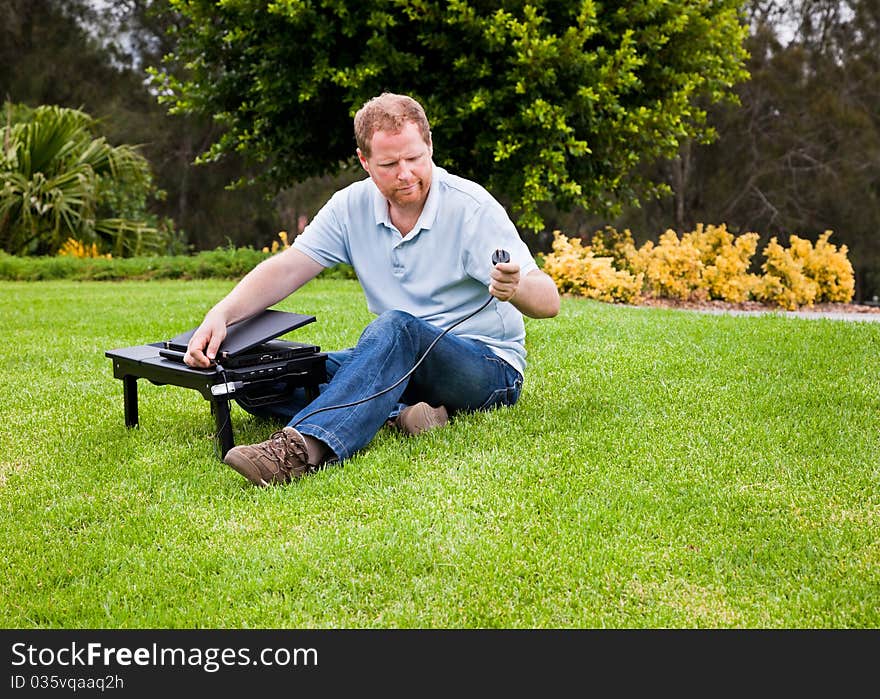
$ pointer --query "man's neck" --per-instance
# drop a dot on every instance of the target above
(404, 219)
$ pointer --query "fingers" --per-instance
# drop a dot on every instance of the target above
(214, 347)
(195, 354)
(505, 280)
(203, 346)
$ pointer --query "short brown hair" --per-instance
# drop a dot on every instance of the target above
(388, 112)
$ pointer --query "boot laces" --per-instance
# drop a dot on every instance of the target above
(283, 450)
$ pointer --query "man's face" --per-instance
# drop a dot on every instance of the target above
(400, 165)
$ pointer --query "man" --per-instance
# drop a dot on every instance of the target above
(421, 242)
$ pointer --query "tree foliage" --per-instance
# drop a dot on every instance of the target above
(543, 101)
(801, 153)
(90, 55)
(60, 180)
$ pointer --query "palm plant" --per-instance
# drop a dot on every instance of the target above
(60, 181)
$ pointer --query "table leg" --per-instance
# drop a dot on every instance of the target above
(223, 420)
(312, 390)
(130, 399)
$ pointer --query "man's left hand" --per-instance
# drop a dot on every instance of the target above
(505, 280)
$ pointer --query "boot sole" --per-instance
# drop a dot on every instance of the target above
(246, 469)
(433, 418)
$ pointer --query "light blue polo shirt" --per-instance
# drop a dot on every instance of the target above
(439, 272)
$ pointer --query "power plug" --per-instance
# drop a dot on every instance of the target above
(500, 255)
(227, 388)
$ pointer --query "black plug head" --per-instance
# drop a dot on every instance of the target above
(500, 255)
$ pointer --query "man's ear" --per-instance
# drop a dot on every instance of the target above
(363, 160)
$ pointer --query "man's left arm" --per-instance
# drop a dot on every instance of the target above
(534, 294)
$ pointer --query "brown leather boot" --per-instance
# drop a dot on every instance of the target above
(280, 459)
(421, 417)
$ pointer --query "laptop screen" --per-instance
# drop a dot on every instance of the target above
(248, 333)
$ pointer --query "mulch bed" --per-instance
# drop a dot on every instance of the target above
(755, 306)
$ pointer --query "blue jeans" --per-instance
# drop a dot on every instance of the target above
(460, 374)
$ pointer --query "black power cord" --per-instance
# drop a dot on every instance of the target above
(226, 388)
(498, 256)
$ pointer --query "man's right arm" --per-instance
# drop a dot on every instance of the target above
(266, 284)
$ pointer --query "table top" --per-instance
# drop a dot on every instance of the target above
(144, 361)
(148, 355)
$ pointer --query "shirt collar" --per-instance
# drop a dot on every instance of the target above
(429, 211)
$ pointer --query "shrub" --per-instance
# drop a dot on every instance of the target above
(76, 248)
(672, 269)
(706, 263)
(619, 246)
(803, 274)
(576, 270)
(726, 260)
(784, 282)
(221, 263)
(61, 180)
(228, 263)
(829, 268)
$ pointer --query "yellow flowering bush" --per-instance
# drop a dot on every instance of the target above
(75, 248)
(726, 260)
(672, 269)
(576, 270)
(619, 246)
(804, 274)
(784, 282)
(276, 246)
(829, 267)
(706, 263)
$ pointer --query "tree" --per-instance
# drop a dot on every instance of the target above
(802, 153)
(62, 181)
(90, 56)
(197, 198)
(543, 101)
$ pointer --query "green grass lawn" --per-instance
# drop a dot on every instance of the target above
(662, 469)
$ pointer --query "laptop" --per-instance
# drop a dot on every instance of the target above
(250, 338)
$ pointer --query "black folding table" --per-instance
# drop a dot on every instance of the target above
(259, 382)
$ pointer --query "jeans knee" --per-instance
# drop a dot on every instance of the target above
(395, 319)
(389, 324)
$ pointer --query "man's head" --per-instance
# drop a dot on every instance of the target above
(388, 112)
(394, 147)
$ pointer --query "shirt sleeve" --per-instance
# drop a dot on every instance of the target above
(324, 239)
(490, 230)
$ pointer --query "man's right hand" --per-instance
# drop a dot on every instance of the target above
(270, 281)
(201, 352)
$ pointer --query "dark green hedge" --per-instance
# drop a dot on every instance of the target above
(222, 263)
